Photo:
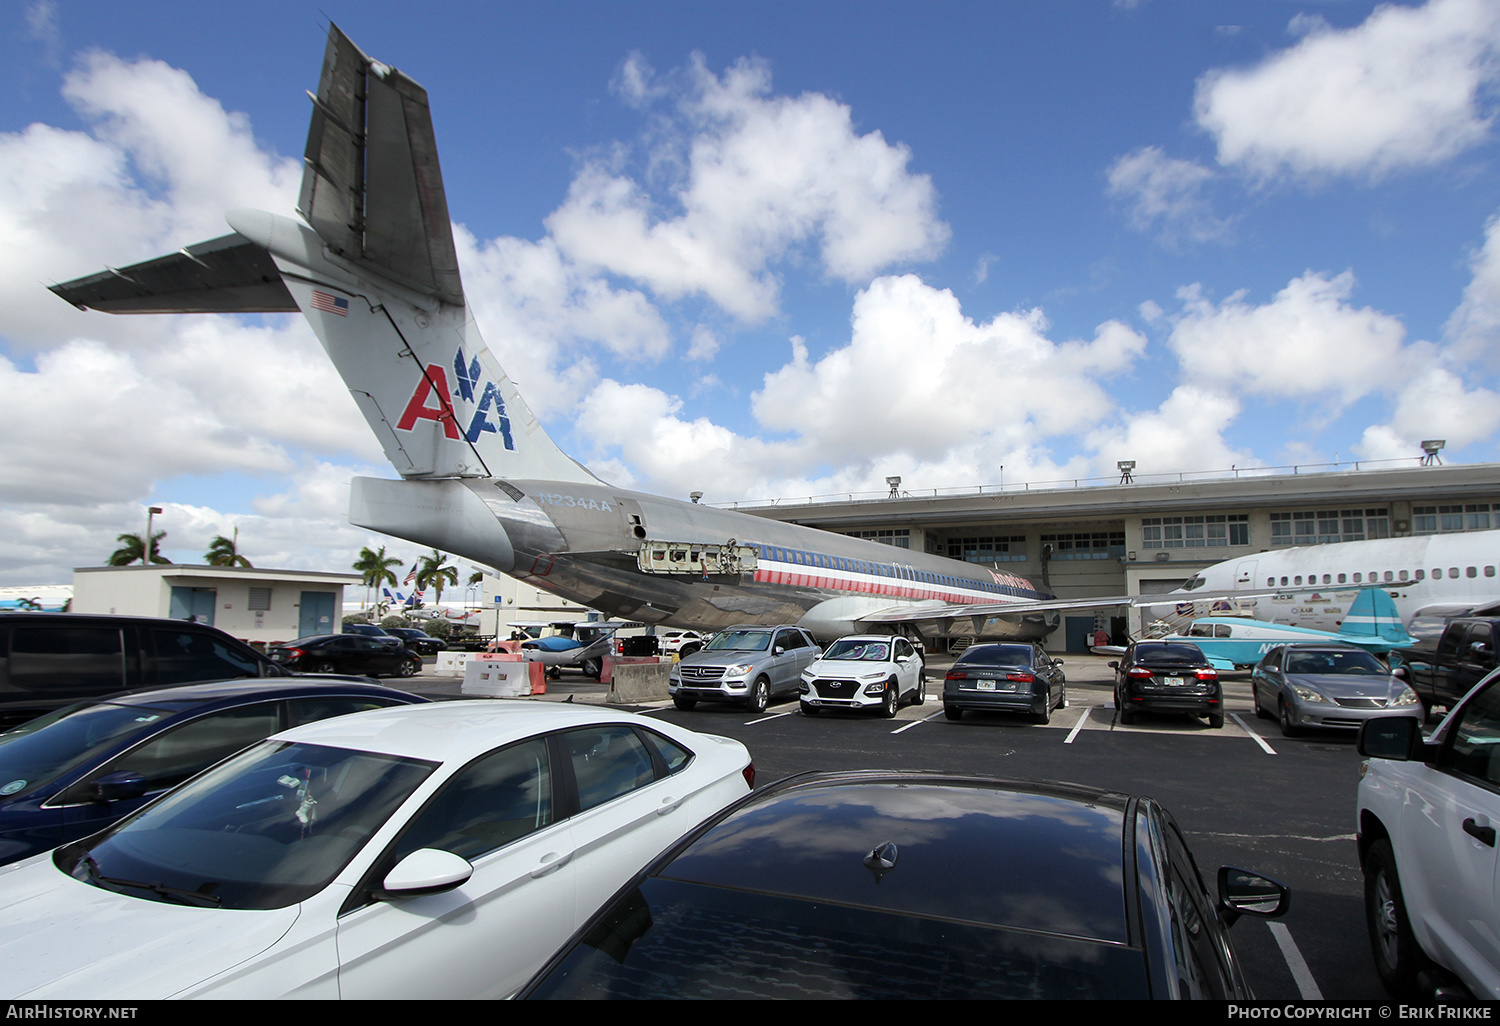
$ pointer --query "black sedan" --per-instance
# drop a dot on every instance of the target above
(419, 641)
(1167, 677)
(877, 885)
(346, 653)
(77, 770)
(1005, 678)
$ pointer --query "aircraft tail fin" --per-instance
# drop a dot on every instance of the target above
(1373, 614)
(376, 276)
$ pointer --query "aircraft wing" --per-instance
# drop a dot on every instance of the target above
(918, 612)
(229, 274)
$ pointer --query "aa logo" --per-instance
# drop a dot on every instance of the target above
(474, 399)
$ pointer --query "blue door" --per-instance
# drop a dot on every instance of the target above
(195, 604)
(316, 614)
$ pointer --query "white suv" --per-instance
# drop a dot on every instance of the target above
(1427, 817)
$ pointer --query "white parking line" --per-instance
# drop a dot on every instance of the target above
(1295, 962)
(913, 723)
(773, 716)
(1246, 728)
(1079, 725)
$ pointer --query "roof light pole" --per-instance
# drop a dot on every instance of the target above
(1430, 449)
(151, 511)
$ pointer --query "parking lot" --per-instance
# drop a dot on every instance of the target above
(1244, 795)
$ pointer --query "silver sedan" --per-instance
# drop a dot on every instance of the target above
(1327, 686)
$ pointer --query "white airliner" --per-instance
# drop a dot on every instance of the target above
(372, 267)
(1430, 577)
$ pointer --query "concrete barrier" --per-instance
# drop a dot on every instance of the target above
(639, 682)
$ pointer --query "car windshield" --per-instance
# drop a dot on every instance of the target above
(996, 655)
(44, 749)
(266, 829)
(863, 651)
(1328, 661)
(740, 641)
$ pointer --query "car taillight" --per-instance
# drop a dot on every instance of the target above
(1024, 678)
(956, 675)
(749, 773)
(1139, 673)
(1206, 674)
(295, 653)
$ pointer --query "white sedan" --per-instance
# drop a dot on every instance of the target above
(865, 671)
(437, 851)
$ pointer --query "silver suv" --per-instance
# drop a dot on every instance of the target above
(746, 664)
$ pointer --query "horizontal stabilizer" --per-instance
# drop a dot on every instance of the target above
(230, 274)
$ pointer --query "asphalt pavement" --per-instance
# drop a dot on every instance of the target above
(1243, 794)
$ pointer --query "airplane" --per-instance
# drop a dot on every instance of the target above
(1430, 578)
(1234, 642)
(372, 267)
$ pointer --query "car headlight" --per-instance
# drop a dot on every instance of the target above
(1406, 696)
(877, 675)
(739, 669)
(1309, 695)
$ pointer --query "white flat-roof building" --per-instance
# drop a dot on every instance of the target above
(252, 604)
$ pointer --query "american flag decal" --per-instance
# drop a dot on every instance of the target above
(330, 303)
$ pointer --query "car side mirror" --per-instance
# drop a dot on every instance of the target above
(1114, 665)
(1393, 737)
(122, 785)
(1243, 893)
(1057, 662)
(1398, 671)
(779, 651)
(424, 871)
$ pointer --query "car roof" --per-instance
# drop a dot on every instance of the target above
(452, 731)
(1041, 857)
(185, 696)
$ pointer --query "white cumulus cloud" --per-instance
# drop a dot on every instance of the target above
(1409, 87)
(1165, 195)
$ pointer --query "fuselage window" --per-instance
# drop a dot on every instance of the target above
(1358, 578)
(1284, 582)
(1343, 578)
(1470, 572)
(1389, 576)
(1453, 572)
(1489, 571)
(1402, 575)
(1421, 575)
(1327, 579)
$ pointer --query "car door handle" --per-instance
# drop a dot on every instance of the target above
(1483, 834)
(553, 860)
(668, 804)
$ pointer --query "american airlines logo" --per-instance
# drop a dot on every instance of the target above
(475, 399)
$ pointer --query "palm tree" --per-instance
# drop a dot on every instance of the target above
(132, 549)
(430, 570)
(375, 567)
(224, 551)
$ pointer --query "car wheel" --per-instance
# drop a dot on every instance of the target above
(892, 699)
(1287, 729)
(685, 704)
(1216, 720)
(1398, 958)
(809, 710)
(760, 696)
(1045, 716)
(591, 668)
(1062, 703)
(1260, 713)
(553, 673)
(1127, 716)
(324, 666)
(920, 695)
(688, 650)
(952, 713)
(409, 668)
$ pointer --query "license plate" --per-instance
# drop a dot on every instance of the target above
(985, 685)
(1172, 681)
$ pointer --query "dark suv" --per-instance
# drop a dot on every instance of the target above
(49, 660)
(1167, 676)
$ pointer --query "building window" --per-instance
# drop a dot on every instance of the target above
(900, 539)
(260, 600)
(1092, 545)
(1472, 516)
(989, 549)
(1195, 532)
(1320, 527)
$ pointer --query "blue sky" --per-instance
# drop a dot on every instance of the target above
(771, 249)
